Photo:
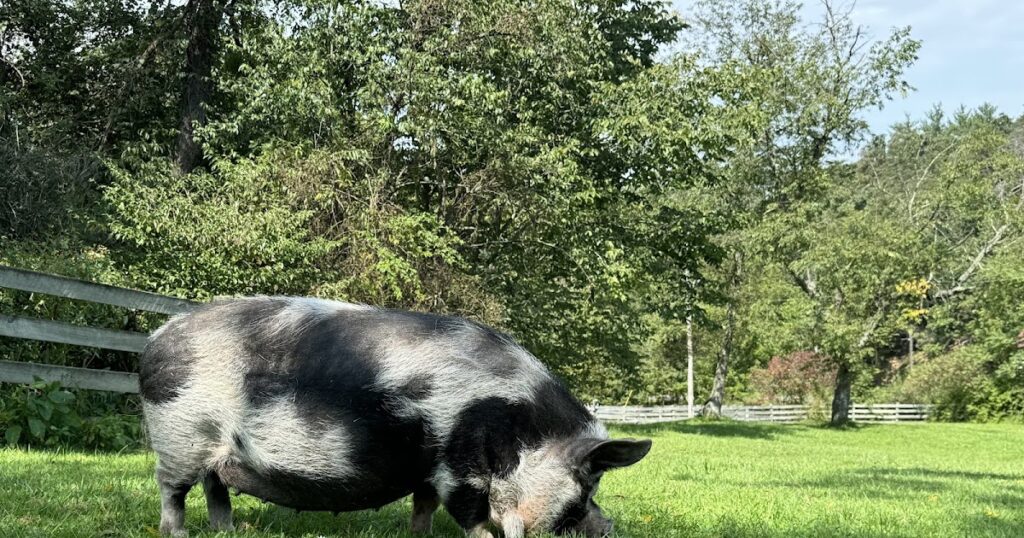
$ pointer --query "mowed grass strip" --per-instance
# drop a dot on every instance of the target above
(701, 479)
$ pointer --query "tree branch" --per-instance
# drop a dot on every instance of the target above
(979, 258)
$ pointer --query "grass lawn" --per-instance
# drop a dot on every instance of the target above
(701, 479)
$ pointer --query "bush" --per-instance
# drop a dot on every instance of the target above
(200, 235)
(960, 387)
(45, 414)
(43, 193)
(802, 377)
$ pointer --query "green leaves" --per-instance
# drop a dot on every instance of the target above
(37, 427)
(12, 435)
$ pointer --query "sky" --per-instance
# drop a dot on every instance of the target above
(972, 52)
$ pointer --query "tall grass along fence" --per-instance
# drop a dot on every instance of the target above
(624, 414)
(128, 382)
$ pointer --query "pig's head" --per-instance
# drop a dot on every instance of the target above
(553, 487)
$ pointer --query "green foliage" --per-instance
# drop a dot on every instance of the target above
(957, 384)
(230, 231)
(40, 412)
(45, 415)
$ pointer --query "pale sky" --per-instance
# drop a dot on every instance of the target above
(972, 52)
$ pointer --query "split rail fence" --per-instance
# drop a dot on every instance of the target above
(759, 413)
(67, 333)
(128, 382)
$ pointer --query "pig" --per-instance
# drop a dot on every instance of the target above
(323, 405)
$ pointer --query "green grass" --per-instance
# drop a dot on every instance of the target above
(701, 479)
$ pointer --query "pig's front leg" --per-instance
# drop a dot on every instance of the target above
(424, 503)
(512, 526)
(469, 506)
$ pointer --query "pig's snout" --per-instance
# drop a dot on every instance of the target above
(595, 525)
(600, 529)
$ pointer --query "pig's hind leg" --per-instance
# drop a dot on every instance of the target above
(172, 504)
(218, 502)
(176, 472)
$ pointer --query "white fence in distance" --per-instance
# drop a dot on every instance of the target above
(624, 414)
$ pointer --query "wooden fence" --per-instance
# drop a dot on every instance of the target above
(890, 412)
(759, 413)
(128, 382)
(66, 333)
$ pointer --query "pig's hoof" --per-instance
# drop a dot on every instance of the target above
(223, 527)
(421, 525)
(480, 531)
(172, 531)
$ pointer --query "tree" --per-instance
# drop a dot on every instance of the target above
(816, 81)
(202, 23)
(524, 163)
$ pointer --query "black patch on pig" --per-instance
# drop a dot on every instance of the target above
(165, 364)
(497, 352)
(240, 446)
(468, 506)
(576, 511)
(574, 515)
(330, 373)
(570, 518)
(489, 434)
(305, 493)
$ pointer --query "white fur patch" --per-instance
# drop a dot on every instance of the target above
(595, 430)
(274, 437)
(537, 492)
(443, 481)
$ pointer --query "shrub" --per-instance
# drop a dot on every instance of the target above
(802, 377)
(45, 414)
(958, 384)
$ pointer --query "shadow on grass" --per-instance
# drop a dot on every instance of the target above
(898, 483)
(717, 428)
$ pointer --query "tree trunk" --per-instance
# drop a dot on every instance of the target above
(910, 350)
(713, 407)
(689, 366)
(202, 19)
(841, 398)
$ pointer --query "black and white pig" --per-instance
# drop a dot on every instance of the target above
(323, 405)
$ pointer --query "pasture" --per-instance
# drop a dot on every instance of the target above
(701, 479)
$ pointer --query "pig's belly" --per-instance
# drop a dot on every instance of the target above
(302, 493)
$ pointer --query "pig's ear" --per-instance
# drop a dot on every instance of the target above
(612, 453)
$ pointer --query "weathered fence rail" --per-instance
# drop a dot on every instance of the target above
(80, 378)
(890, 412)
(67, 333)
(71, 288)
(759, 413)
